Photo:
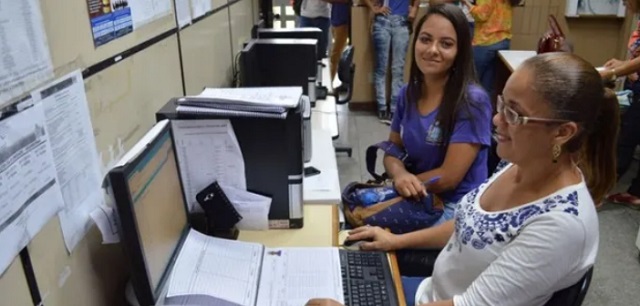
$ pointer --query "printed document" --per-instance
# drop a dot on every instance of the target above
(25, 52)
(29, 191)
(183, 12)
(207, 150)
(200, 8)
(74, 152)
(293, 276)
(253, 208)
(146, 11)
(226, 270)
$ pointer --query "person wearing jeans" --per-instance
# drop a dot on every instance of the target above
(315, 14)
(492, 33)
(392, 19)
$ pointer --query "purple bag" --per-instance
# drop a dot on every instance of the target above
(376, 202)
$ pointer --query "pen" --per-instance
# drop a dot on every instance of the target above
(432, 180)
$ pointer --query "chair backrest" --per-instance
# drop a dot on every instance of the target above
(344, 66)
(346, 72)
(574, 295)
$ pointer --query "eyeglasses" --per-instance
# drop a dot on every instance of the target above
(513, 118)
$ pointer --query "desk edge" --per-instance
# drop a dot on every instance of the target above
(397, 278)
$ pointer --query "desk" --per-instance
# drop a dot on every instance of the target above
(324, 116)
(509, 61)
(323, 188)
(320, 230)
(514, 58)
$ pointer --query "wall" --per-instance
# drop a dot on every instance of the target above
(597, 39)
(122, 100)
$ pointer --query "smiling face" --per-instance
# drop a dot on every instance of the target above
(436, 47)
(526, 143)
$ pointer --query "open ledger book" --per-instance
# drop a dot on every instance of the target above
(213, 271)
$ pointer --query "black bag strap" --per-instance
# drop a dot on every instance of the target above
(389, 148)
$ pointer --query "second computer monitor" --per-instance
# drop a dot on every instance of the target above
(278, 62)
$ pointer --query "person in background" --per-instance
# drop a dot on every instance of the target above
(443, 118)
(392, 19)
(315, 14)
(492, 34)
(340, 23)
(532, 228)
(630, 128)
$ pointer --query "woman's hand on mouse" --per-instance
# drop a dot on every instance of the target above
(381, 240)
(323, 302)
(409, 186)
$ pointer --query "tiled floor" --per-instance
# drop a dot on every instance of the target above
(617, 272)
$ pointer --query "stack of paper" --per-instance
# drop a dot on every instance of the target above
(264, 102)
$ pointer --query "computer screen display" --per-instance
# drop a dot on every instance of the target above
(158, 204)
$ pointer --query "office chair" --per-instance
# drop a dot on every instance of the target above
(346, 71)
(420, 263)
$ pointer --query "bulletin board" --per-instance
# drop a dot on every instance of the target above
(206, 53)
(13, 286)
(241, 23)
(123, 100)
(126, 81)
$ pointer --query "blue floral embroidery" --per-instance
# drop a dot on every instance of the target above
(480, 229)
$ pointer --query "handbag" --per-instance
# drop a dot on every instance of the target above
(553, 40)
(377, 203)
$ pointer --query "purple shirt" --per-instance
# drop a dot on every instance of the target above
(421, 137)
(398, 7)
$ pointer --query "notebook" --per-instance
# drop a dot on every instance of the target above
(213, 271)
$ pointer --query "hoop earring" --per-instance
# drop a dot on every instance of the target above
(557, 150)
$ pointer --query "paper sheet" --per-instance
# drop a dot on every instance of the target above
(200, 7)
(253, 208)
(225, 269)
(207, 150)
(183, 12)
(146, 11)
(74, 152)
(105, 218)
(29, 192)
(25, 53)
(293, 276)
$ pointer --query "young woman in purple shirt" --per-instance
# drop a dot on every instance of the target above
(443, 117)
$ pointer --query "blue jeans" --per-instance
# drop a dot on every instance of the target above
(410, 287)
(389, 33)
(485, 60)
(322, 23)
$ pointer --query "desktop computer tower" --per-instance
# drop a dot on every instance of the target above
(273, 153)
(280, 62)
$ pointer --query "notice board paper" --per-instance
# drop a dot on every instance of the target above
(29, 191)
(110, 19)
(26, 61)
(74, 152)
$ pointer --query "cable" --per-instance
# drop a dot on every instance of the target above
(235, 82)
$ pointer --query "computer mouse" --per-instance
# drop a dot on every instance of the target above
(355, 244)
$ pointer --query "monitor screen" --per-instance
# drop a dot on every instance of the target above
(158, 205)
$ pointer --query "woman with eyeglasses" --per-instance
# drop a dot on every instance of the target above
(532, 228)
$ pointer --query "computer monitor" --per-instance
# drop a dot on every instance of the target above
(278, 62)
(153, 216)
(299, 33)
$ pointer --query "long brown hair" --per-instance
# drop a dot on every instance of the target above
(574, 90)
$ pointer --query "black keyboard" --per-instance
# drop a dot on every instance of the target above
(367, 279)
